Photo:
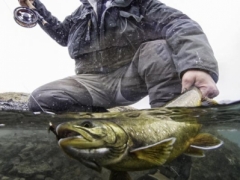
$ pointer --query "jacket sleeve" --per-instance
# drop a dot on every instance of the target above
(55, 29)
(191, 49)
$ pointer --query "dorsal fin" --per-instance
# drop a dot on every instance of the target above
(157, 153)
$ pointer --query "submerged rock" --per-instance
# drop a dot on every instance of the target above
(222, 163)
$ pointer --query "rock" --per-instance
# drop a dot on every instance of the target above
(18, 101)
(14, 100)
(39, 177)
(14, 96)
(222, 163)
(48, 178)
(5, 178)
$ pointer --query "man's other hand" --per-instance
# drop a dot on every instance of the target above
(24, 2)
(201, 80)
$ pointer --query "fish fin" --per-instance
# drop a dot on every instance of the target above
(119, 175)
(92, 165)
(194, 152)
(157, 153)
(206, 141)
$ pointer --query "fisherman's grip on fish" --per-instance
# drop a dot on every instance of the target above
(133, 141)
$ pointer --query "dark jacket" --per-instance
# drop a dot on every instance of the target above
(105, 45)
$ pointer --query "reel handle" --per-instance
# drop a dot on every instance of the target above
(31, 6)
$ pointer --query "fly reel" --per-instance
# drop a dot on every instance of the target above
(25, 17)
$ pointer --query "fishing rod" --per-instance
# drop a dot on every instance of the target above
(51, 127)
(27, 16)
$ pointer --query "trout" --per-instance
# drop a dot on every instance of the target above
(136, 140)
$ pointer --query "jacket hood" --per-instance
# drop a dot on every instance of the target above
(119, 3)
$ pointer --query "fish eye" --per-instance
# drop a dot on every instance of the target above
(87, 124)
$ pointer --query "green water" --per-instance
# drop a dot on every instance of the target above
(233, 136)
(29, 152)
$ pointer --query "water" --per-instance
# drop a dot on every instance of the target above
(29, 152)
(34, 154)
(232, 136)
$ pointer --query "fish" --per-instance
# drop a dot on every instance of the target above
(135, 140)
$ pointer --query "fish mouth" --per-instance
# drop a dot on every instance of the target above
(79, 137)
(66, 133)
(79, 143)
(67, 130)
(62, 132)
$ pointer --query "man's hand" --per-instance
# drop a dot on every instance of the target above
(201, 80)
(24, 3)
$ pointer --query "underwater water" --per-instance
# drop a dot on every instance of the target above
(29, 152)
(34, 154)
(233, 136)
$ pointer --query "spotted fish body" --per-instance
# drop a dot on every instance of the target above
(130, 141)
(152, 142)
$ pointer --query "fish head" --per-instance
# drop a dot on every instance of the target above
(95, 143)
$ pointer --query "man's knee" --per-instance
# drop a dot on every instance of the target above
(58, 96)
(157, 68)
(41, 100)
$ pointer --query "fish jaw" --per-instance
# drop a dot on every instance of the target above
(100, 144)
(78, 153)
(78, 138)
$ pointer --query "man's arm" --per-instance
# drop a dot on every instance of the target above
(57, 30)
(192, 55)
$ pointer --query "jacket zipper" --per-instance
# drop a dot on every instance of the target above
(101, 24)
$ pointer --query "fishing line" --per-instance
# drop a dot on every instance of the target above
(23, 83)
(51, 126)
(7, 6)
(47, 112)
(34, 100)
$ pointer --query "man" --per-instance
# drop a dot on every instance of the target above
(125, 50)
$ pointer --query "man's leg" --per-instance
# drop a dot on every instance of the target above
(69, 94)
(151, 72)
